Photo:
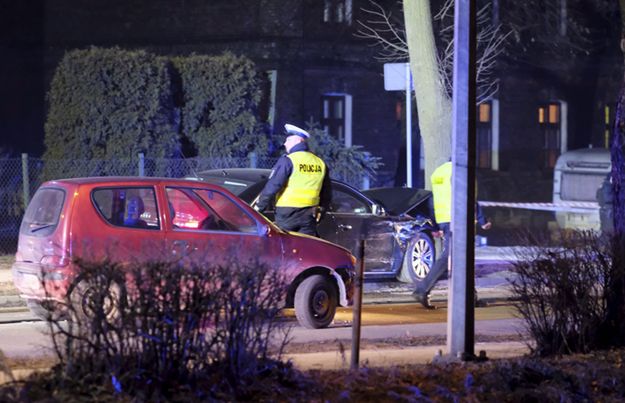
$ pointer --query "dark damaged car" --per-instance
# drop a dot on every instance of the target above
(395, 223)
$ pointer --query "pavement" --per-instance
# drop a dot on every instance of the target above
(492, 284)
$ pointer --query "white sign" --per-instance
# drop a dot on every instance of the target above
(395, 76)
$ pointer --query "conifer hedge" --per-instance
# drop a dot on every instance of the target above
(220, 107)
(111, 103)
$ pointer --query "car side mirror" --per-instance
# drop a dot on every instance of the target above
(376, 209)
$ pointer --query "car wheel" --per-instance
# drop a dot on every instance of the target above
(418, 259)
(315, 302)
(90, 301)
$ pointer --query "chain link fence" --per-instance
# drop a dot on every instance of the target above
(20, 178)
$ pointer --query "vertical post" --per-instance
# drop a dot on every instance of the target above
(141, 164)
(357, 310)
(408, 129)
(253, 159)
(461, 315)
(25, 180)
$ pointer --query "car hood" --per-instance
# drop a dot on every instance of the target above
(398, 200)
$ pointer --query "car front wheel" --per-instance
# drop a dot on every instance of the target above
(418, 259)
(316, 300)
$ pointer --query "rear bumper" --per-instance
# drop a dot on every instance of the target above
(35, 282)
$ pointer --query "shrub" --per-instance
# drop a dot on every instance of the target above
(563, 294)
(149, 331)
(220, 105)
(110, 103)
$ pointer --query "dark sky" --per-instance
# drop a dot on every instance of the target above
(22, 92)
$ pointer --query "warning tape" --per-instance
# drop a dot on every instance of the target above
(571, 207)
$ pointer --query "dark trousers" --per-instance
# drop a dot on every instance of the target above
(297, 219)
(440, 265)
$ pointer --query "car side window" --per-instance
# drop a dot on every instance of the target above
(233, 215)
(131, 207)
(187, 211)
(343, 202)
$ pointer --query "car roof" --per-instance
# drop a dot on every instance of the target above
(117, 180)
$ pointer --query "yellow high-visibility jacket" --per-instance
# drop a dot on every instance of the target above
(304, 185)
(441, 192)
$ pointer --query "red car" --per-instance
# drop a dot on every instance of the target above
(127, 219)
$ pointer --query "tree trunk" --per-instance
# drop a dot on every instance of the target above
(433, 103)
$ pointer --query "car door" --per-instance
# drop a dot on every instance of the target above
(208, 226)
(119, 230)
(351, 219)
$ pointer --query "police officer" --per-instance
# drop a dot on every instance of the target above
(300, 184)
(441, 195)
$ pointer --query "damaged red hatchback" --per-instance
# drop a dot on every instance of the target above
(127, 219)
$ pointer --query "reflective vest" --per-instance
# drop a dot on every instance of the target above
(304, 184)
(441, 192)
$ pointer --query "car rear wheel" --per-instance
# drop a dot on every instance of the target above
(92, 300)
(418, 259)
(316, 300)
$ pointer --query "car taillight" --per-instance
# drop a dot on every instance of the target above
(54, 261)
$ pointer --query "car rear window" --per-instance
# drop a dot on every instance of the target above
(132, 207)
(43, 212)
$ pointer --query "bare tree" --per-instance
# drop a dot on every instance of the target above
(413, 39)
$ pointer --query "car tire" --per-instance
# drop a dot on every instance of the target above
(316, 300)
(85, 294)
(418, 259)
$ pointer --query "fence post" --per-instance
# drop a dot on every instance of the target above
(141, 164)
(253, 159)
(25, 180)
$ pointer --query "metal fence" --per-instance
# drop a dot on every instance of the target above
(20, 177)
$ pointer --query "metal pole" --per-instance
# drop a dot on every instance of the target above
(461, 315)
(357, 310)
(141, 164)
(408, 129)
(25, 180)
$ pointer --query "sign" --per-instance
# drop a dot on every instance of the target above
(395, 76)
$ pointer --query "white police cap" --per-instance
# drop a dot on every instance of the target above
(294, 130)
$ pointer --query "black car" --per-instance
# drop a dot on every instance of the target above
(395, 222)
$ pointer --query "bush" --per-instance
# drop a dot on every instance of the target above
(110, 103)
(220, 105)
(564, 294)
(149, 331)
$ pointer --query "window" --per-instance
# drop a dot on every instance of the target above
(484, 135)
(127, 207)
(337, 11)
(607, 120)
(229, 212)
(343, 202)
(42, 215)
(549, 119)
(201, 209)
(336, 112)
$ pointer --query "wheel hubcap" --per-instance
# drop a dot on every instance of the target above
(421, 258)
(321, 303)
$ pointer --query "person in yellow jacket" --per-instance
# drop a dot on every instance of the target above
(441, 195)
(300, 184)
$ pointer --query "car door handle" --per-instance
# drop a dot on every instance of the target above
(345, 227)
(183, 244)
